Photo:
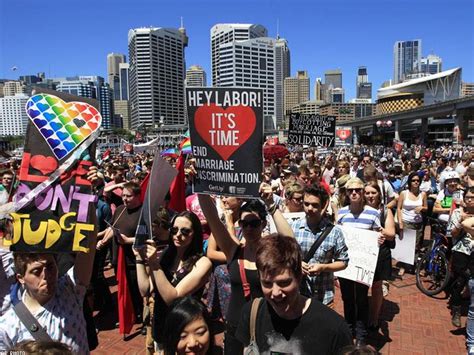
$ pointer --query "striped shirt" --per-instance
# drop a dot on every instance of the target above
(369, 218)
(332, 249)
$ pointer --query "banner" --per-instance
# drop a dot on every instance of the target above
(312, 130)
(161, 177)
(226, 131)
(54, 204)
(343, 136)
(363, 249)
(404, 250)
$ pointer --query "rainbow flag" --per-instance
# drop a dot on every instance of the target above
(170, 152)
(185, 146)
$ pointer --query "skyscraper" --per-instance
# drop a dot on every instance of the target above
(332, 88)
(11, 88)
(296, 90)
(93, 87)
(242, 55)
(156, 76)
(13, 117)
(363, 86)
(227, 33)
(196, 76)
(282, 71)
(113, 72)
(432, 64)
(121, 104)
(406, 59)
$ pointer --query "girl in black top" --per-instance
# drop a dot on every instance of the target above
(240, 256)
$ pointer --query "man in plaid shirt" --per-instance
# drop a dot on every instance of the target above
(330, 256)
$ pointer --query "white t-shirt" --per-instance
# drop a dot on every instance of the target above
(62, 317)
(7, 277)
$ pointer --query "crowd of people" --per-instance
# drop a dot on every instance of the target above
(263, 267)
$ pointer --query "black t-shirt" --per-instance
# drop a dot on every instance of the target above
(237, 298)
(126, 221)
(319, 330)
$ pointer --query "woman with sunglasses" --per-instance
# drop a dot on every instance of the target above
(178, 270)
(355, 295)
(412, 204)
(383, 270)
(240, 256)
(294, 198)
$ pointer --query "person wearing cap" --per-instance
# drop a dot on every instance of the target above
(339, 198)
(355, 295)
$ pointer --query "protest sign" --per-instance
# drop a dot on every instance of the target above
(363, 249)
(398, 145)
(404, 250)
(54, 204)
(226, 131)
(343, 136)
(161, 177)
(312, 130)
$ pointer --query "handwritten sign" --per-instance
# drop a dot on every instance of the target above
(404, 250)
(363, 249)
(312, 130)
(54, 203)
(226, 131)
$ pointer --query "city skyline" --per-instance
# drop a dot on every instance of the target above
(321, 37)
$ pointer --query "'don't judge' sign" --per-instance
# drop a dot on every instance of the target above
(226, 131)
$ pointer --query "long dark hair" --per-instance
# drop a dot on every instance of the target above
(183, 311)
(193, 251)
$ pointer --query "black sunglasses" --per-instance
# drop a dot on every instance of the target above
(254, 223)
(358, 190)
(183, 231)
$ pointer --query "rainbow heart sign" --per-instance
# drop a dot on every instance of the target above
(63, 125)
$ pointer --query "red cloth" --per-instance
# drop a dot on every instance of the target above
(126, 312)
(143, 187)
(178, 187)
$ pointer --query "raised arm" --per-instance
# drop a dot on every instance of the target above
(192, 282)
(282, 226)
(224, 240)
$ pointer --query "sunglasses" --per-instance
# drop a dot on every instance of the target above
(314, 205)
(254, 223)
(184, 231)
(415, 180)
(358, 190)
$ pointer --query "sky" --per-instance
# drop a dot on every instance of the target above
(71, 37)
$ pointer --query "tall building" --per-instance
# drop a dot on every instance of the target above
(363, 86)
(92, 87)
(296, 90)
(282, 71)
(156, 76)
(251, 64)
(432, 64)
(113, 72)
(332, 88)
(123, 82)
(196, 76)
(11, 88)
(13, 117)
(228, 33)
(318, 90)
(406, 59)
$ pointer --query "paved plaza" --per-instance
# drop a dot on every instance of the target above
(412, 323)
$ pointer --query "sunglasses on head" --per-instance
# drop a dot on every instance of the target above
(254, 223)
(184, 231)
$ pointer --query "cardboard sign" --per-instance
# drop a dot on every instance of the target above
(312, 130)
(161, 177)
(404, 250)
(343, 136)
(54, 202)
(226, 129)
(363, 249)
